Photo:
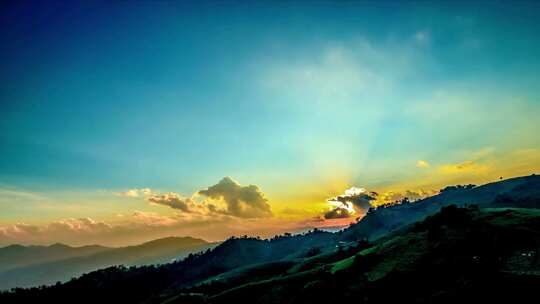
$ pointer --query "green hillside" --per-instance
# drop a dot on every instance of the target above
(449, 256)
(467, 243)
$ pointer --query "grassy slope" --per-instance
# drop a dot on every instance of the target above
(455, 243)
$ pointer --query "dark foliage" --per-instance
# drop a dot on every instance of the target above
(140, 284)
(457, 187)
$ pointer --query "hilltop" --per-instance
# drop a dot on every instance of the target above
(515, 192)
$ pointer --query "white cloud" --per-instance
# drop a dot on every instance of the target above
(422, 164)
(142, 192)
(334, 74)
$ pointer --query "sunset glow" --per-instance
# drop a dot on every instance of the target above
(124, 123)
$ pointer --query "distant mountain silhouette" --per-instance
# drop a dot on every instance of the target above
(39, 265)
(15, 256)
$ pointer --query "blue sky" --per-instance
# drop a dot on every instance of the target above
(302, 99)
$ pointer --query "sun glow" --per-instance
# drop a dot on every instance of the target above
(344, 202)
(354, 191)
(343, 205)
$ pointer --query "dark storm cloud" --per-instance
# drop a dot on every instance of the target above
(360, 201)
(337, 213)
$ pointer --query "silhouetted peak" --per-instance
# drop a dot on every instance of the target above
(59, 246)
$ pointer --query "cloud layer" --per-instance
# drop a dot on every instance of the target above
(141, 226)
(216, 212)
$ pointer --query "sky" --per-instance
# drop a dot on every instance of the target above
(124, 121)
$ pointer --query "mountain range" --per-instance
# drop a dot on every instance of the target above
(25, 266)
(467, 243)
